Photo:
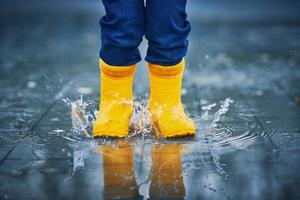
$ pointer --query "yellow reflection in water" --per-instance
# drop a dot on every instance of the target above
(166, 171)
(166, 177)
(118, 169)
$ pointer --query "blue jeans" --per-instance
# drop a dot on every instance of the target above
(163, 22)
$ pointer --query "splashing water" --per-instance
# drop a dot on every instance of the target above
(140, 122)
(210, 136)
(82, 120)
(79, 117)
(206, 110)
(218, 136)
(224, 108)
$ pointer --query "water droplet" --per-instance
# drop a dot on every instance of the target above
(31, 84)
(85, 90)
(58, 130)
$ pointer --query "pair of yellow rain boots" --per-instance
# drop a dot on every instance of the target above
(116, 103)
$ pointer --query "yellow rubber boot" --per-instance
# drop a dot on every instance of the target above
(118, 171)
(116, 99)
(165, 103)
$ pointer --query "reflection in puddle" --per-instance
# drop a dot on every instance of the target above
(119, 176)
(118, 171)
(166, 174)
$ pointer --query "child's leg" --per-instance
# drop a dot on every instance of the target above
(167, 30)
(122, 30)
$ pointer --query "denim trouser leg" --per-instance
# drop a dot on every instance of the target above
(122, 30)
(166, 29)
(126, 21)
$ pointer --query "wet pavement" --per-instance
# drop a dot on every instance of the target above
(241, 86)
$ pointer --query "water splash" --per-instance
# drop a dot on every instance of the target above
(211, 139)
(140, 122)
(79, 116)
(78, 136)
(222, 111)
(206, 110)
(204, 152)
(82, 120)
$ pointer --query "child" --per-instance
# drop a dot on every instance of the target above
(164, 24)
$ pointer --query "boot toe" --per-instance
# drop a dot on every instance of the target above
(178, 129)
(175, 127)
(110, 128)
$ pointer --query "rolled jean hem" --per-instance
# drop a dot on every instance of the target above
(110, 61)
(165, 64)
(127, 64)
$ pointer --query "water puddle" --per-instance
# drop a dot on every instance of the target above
(215, 136)
(149, 165)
